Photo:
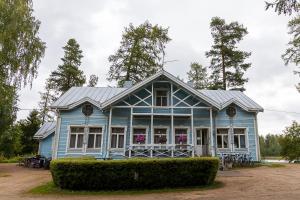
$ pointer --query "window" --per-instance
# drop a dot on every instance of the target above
(161, 98)
(201, 136)
(181, 136)
(139, 136)
(76, 137)
(94, 137)
(117, 138)
(239, 138)
(160, 136)
(222, 137)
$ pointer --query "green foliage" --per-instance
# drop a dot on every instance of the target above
(68, 74)
(141, 53)
(198, 76)
(133, 173)
(269, 145)
(227, 62)
(28, 128)
(93, 80)
(286, 7)
(290, 142)
(15, 159)
(47, 98)
(21, 49)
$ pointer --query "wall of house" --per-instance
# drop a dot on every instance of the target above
(76, 117)
(45, 146)
(121, 117)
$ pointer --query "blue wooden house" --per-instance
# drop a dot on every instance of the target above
(158, 117)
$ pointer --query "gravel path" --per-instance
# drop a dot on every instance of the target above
(258, 183)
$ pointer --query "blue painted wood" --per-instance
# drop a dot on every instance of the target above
(121, 117)
(46, 146)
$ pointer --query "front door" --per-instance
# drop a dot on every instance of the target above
(201, 142)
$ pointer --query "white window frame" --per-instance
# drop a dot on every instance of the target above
(168, 94)
(146, 138)
(228, 138)
(125, 131)
(188, 134)
(95, 135)
(69, 137)
(195, 134)
(246, 137)
(167, 134)
(85, 141)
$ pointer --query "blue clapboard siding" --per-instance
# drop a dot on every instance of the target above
(121, 117)
(45, 147)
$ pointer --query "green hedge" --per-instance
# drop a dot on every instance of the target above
(133, 173)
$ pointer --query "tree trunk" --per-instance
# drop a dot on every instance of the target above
(223, 70)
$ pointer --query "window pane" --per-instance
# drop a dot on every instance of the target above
(98, 141)
(222, 131)
(225, 141)
(79, 140)
(236, 141)
(219, 141)
(198, 133)
(242, 141)
(164, 101)
(113, 141)
(77, 129)
(91, 141)
(72, 141)
(199, 141)
(95, 130)
(161, 93)
(117, 130)
(158, 101)
(121, 141)
(239, 131)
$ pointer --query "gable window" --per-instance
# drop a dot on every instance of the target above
(239, 138)
(94, 137)
(181, 136)
(76, 137)
(222, 138)
(161, 98)
(139, 136)
(160, 136)
(117, 137)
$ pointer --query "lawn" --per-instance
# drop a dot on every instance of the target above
(50, 189)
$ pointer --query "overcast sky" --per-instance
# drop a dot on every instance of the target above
(98, 25)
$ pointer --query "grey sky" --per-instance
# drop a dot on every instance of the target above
(98, 25)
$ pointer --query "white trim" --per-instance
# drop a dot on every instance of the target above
(161, 127)
(125, 131)
(151, 78)
(140, 127)
(188, 135)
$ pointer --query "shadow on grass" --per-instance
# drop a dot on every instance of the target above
(51, 189)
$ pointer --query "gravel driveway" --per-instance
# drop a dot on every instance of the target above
(258, 183)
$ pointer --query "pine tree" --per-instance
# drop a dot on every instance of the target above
(68, 74)
(141, 53)
(227, 62)
(292, 54)
(93, 80)
(198, 76)
(286, 7)
(29, 127)
(47, 98)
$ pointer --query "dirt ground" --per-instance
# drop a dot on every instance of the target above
(258, 183)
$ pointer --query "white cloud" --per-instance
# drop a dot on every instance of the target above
(98, 25)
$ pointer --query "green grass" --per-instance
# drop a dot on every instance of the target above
(273, 158)
(10, 160)
(51, 189)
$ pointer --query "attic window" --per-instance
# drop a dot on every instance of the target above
(161, 98)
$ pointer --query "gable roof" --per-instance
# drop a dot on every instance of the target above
(78, 95)
(102, 97)
(45, 130)
(153, 77)
(227, 97)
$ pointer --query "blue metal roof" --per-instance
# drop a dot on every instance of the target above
(45, 130)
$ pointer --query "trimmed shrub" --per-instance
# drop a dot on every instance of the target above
(133, 173)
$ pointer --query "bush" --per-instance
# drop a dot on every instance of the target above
(133, 173)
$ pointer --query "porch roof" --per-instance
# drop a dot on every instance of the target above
(45, 130)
